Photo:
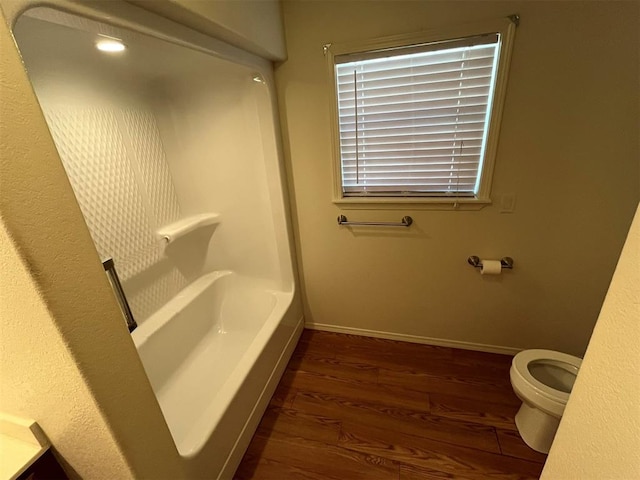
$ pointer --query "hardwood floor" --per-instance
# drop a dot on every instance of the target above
(352, 407)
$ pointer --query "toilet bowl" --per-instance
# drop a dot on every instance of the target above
(543, 380)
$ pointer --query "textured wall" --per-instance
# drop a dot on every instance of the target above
(40, 379)
(599, 436)
(107, 138)
(117, 168)
(568, 150)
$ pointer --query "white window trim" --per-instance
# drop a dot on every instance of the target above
(506, 28)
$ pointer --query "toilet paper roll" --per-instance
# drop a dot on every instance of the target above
(491, 267)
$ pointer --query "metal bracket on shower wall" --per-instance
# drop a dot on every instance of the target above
(114, 280)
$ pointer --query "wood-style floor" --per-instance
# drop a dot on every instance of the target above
(352, 407)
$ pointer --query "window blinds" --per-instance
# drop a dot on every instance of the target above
(413, 121)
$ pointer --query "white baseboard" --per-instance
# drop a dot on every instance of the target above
(441, 342)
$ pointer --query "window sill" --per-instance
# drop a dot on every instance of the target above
(413, 203)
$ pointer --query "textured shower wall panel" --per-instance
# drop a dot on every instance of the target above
(95, 158)
(117, 168)
(147, 150)
(150, 164)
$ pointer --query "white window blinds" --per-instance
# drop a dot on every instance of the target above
(414, 120)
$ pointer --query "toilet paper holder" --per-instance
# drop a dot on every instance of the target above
(506, 262)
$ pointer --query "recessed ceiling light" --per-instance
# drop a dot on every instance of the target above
(110, 45)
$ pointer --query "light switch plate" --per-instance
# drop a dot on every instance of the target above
(507, 203)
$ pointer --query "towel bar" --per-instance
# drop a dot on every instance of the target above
(405, 222)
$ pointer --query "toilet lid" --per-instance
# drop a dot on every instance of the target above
(561, 360)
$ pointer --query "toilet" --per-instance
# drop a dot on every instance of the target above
(543, 380)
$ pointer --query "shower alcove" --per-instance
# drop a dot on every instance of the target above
(171, 149)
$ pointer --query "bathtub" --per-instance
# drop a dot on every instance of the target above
(209, 354)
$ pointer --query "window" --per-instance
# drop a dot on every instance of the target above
(417, 116)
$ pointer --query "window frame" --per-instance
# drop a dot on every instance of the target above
(505, 27)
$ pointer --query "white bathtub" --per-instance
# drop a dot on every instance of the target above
(201, 353)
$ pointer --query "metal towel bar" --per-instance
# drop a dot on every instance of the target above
(114, 280)
(406, 222)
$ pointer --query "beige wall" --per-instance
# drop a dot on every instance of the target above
(39, 378)
(254, 25)
(68, 361)
(599, 437)
(568, 150)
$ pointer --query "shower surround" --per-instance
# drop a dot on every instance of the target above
(171, 150)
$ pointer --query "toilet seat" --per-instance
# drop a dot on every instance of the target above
(526, 385)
